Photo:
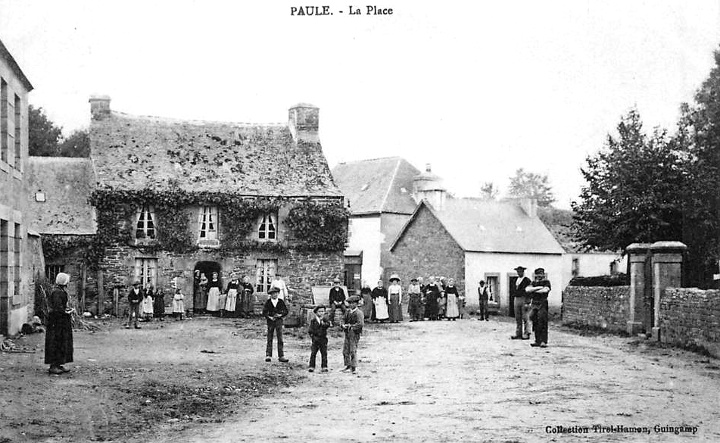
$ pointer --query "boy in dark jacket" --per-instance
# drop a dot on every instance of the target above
(274, 311)
(319, 325)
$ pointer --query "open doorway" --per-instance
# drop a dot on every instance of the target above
(200, 291)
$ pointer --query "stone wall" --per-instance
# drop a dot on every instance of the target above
(427, 249)
(691, 317)
(597, 306)
(300, 270)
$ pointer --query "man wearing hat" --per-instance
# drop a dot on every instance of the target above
(336, 299)
(135, 296)
(539, 290)
(274, 311)
(353, 322)
(521, 304)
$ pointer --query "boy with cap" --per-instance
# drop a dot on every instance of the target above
(353, 322)
(539, 290)
(274, 311)
(319, 325)
(336, 299)
(135, 296)
(522, 305)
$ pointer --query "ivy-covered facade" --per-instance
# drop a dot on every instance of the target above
(177, 199)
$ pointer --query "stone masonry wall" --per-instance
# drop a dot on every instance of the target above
(597, 306)
(690, 317)
(427, 249)
(300, 270)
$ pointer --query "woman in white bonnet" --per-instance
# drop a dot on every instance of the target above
(59, 339)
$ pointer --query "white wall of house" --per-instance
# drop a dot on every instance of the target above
(591, 265)
(365, 235)
(480, 265)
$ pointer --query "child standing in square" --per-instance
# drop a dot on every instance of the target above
(319, 325)
(178, 305)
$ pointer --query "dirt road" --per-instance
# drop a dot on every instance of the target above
(466, 381)
(206, 380)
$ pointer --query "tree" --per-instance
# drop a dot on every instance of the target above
(634, 186)
(699, 135)
(46, 139)
(76, 145)
(488, 191)
(531, 185)
(43, 134)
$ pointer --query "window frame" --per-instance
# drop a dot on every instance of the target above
(207, 234)
(146, 271)
(146, 215)
(265, 268)
(267, 227)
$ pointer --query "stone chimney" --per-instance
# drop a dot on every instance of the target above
(99, 106)
(303, 120)
(529, 205)
(428, 186)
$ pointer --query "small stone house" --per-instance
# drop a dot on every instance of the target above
(176, 199)
(472, 240)
(59, 204)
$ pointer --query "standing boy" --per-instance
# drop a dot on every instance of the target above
(274, 311)
(135, 297)
(319, 325)
(539, 290)
(352, 325)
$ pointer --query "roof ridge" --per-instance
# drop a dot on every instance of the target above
(194, 121)
(390, 186)
(393, 157)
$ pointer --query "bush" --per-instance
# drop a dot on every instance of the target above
(601, 280)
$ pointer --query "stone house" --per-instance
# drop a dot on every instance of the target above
(472, 240)
(61, 213)
(20, 257)
(179, 198)
(381, 196)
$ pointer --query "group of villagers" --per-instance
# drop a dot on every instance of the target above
(438, 299)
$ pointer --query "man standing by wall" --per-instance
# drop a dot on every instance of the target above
(521, 304)
(539, 290)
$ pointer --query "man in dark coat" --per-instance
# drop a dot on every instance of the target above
(521, 304)
(135, 297)
(274, 311)
(317, 330)
(539, 290)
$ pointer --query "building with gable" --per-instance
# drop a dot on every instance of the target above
(472, 240)
(60, 210)
(379, 195)
(176, 199)
(20, 256)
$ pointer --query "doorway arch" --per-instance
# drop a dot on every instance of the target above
(200, 294)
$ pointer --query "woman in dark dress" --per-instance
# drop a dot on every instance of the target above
(158, 303)
(59, 338)
(368, 307)
(432, 293)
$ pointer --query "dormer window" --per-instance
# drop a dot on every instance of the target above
(145, 226)
(267, 231)
(208, 223)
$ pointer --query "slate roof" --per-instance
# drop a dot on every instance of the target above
(138, 152)
(4, 53)
(375, 186)
(67, 184)
(488, 226)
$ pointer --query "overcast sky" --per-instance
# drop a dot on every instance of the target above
(476, 88)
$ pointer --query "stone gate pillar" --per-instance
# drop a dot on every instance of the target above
(638, 255)
(666, 272)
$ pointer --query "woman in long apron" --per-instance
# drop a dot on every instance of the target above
(231, 294)
(213, 303)
(452, 310)
(380, 301)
